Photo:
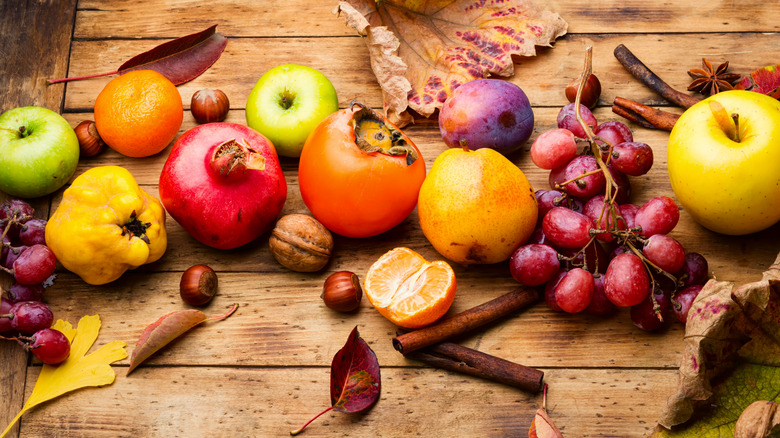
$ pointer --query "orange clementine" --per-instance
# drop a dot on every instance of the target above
(139, 113)
(408, 290)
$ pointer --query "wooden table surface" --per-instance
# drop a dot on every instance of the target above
(265, 370)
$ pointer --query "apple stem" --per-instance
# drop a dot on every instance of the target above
(735, 116)
(78, 78)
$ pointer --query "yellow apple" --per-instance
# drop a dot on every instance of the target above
(726, 174)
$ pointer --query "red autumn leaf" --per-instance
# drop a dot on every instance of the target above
(422, 51)
(166, 329)
(764, 80)
(355, 382)
(180, 60)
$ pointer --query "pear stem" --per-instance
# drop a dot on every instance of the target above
(464, 144)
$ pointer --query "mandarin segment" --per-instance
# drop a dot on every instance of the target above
(408, 290)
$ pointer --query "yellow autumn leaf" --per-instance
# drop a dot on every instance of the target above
(78, 371)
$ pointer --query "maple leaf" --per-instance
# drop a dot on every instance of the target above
(422, 51)
(731, 357)
(80, 369)
(764, 80)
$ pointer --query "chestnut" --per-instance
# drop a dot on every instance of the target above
(198, 285)
(342, 291)
(90, 143)
(209, 105)
(590, 94)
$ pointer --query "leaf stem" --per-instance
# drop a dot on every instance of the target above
(78, 78)
(297, 431)
(221, 317)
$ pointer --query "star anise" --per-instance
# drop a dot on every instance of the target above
(709, 81)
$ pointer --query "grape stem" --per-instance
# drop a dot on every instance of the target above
(628, 236)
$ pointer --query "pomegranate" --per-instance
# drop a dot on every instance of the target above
(223, 183)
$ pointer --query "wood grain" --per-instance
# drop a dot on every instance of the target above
(273, 18)
(345, 61)
(227, 401)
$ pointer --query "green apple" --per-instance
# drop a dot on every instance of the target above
(726, 174)
(39, 151)
(287, 103)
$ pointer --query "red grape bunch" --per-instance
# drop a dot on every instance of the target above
(593, 250)
(25, 256)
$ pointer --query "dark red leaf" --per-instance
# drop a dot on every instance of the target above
(354, 378)
(180, 60)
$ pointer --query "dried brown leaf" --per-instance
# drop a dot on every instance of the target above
(422, 51)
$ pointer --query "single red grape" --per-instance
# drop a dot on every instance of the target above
(539, 237)
(694, 271)
(50, 346)
(583, 186)
(33, 232)
(546, 200)
(632, 158)
(566, 228)
(534, 264)
(681, 303)
(644, 315)
(25, 292)
(599, 304)
(553, 148)
(659, 215)
(30, 316)
(614, 131)
(567, 119)
(575, 290)
(626, 282)
(35, 265)
(665, 252)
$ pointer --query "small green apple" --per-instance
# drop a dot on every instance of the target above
(287, 103)
(39, 151)
(727, 174)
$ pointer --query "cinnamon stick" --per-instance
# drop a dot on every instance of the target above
(644, 115)
(454, 357)
(466, 321)
(640, 71)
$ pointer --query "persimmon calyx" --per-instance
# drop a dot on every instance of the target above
(373, 134)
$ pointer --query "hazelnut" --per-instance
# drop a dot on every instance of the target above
(759, 420)
(342, 291)
(209, 105)
(90, 143)
(590, 94)
(198, 285)
(299, 242)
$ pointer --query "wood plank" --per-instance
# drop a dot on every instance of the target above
(543, 77)
(99, 19)
(741, 259)
(34, 44)
(226, 401)
(282, 321)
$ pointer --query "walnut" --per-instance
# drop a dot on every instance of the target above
(759, 420)
(299, 242)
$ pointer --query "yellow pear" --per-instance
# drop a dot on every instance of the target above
(476, 207)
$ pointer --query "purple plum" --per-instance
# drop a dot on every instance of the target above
(487, 113)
